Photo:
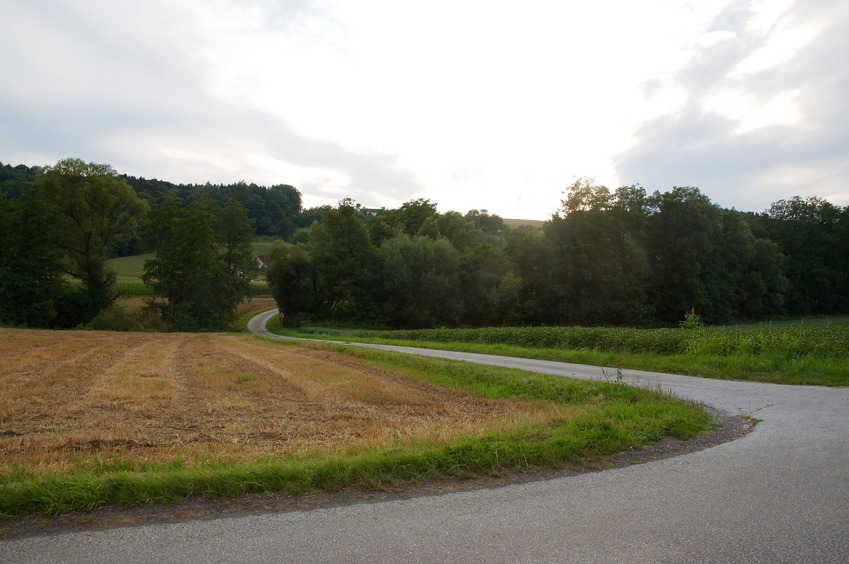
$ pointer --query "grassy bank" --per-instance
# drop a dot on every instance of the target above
(130, 270)
(788, 354)
(524, 421)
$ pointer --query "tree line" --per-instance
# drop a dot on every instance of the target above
(621, 257)
(60, 224)
(606, 257)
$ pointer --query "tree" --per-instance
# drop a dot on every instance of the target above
(30, 275)
(491, 224)
(289, 274)
(747, 272)
(531, 255)
(92, 208)
(344, 265)
(233, 233)
(420, 282)
(682, 234)
(196, 271)
(812, 233)
(414, 215)
(284, 205)
(14, 181)
(585, 195)
(599, 266)
(461, 231)
(762, 289)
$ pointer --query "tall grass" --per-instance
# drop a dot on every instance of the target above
(786, 340)
(799, 354)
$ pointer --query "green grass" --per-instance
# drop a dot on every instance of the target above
(129, 269)
(132, 268)
(813, 354)
(136, 288)
(262, 247)
(260, 288)
(613, 417)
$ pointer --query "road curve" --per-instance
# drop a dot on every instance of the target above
(779, 494)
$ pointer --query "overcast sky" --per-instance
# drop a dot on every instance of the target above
(472, 104)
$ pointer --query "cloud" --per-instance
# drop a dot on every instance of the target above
(762, 115)
(90, 84)
(471, 105)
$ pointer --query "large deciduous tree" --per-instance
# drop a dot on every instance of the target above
(201, 274)
(598, 266)
(813, 233)
(92, 209)
(233, 234)
(683, 234)
(30, 276)
(531, 255)
(344, 265)
(420, 282)
(289, 275)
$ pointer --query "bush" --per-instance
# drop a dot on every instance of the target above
(116, 318)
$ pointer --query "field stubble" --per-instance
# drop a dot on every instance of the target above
(67, 395)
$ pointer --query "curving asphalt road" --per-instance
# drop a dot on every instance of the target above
(779, 494)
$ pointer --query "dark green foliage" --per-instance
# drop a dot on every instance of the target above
(531, 256)
(344, 266)
(289, 275)
(682, 237)
(64, 221)
(14, 181)
(420, 282)
(486, 222)
(92, 210)
(416, 217)
(233, 235)
(814, 235)
(30, 274)
(202, 273)
(606, 258)
(274, 211)
(114, 318)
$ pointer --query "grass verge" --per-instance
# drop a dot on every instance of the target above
(602, 418)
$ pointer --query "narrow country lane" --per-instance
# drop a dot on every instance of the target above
(779, 494)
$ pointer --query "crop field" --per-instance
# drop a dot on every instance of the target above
(129, 269)
(90, 418)
(800, 353)
(210, 395)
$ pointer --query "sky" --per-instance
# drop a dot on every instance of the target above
(470, 104)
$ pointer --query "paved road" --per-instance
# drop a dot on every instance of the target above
(779, 494)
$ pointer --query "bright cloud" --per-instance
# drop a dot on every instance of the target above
(473, 104)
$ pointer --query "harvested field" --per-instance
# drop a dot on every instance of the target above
(153, 396)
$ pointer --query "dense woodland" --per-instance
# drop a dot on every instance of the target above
(606, 257)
